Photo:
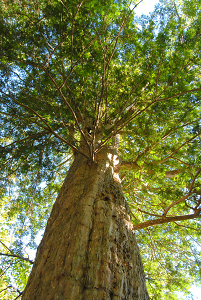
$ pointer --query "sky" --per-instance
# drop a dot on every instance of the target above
(146, 6)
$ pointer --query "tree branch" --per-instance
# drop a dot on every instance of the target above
(6, 247)
(184, 197)
(170, 156)
(135, 114)
(130, 165)
(178, 95)
(119, 128)
(38, 65)
(147, 213)
(27, 138)
(20, 294)
(18, 256)
(166, 220)
(71, 110)
(5, 289)
(14, 255)
(48, 128)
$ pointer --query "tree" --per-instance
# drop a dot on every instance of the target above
(89, 89)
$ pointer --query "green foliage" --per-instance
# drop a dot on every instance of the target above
(63, 63)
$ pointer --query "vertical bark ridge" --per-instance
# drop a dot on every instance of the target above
(89, 250)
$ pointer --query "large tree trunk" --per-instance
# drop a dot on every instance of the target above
(89, 250)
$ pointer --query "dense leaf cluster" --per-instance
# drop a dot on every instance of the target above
(81, 72)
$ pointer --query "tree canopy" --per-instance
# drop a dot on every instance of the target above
(70, 69)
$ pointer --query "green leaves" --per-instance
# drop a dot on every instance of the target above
(65, 63)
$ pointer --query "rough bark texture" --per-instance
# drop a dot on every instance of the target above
(89, 250)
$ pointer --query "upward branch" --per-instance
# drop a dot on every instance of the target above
(47, 126)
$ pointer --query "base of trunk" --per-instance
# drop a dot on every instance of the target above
(89, 250)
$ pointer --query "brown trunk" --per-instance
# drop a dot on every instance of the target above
(89, 250)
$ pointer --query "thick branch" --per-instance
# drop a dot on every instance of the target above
(172, 173)
(130, 165)
(166, 220)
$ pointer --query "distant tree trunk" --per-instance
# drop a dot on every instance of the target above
(89, 249)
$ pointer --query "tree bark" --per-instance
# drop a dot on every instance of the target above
(89, 250)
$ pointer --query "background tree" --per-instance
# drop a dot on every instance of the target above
(77, 76)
